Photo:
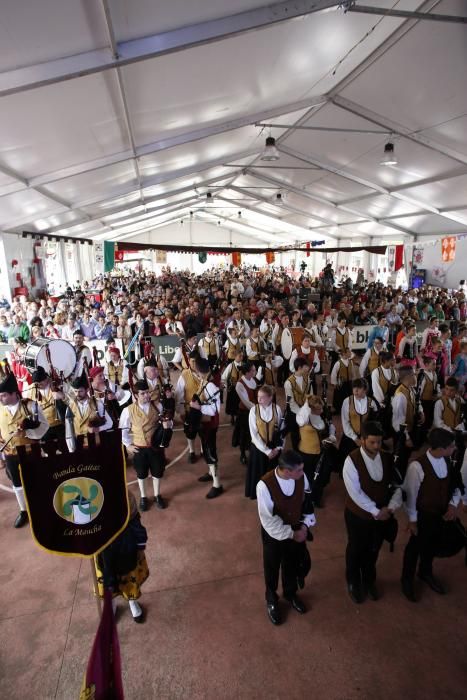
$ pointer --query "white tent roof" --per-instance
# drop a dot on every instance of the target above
(117, 117)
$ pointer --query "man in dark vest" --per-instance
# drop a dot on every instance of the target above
(433, 494)
(286, 514)
(369, 507)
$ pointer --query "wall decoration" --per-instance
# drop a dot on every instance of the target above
(448, 248)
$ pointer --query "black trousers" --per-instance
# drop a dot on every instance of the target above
(422, 546)
(241, 436)
(208, 437)
(365, 538)
(286, 557)
(148, 460)
(12, 471)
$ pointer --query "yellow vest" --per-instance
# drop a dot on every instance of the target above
(374, 361)
(142, 425)
(410, 410)
(383, 382)
(451, 417)
(193, 384)
(232, 349)
(356, 419)
(47, 403)
(80, 422)
(345, 374)
(268, 376)
(342, 340)
(428, 388)
(266, 428)
(254, 349)
(115, 373)
(9, 424)
(310, 443)
(209, 347)
(299, 395)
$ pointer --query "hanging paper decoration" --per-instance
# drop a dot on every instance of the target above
(236, 259)
(119, 256)
(448, 248)
(202, 257)
(270, 257)
(308, 246)
(418, 256)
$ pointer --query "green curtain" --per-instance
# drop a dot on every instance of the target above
(109, 256)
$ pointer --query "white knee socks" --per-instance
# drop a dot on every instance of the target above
(19, 493)
(156, 483)
(135, 608)
(142, 487)
(191, 445)
(214, 472)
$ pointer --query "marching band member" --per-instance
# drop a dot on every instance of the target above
(369, 509)
(342, 375)
(372, 358)
(203, 419)
(340, 339)
(254, 346)
(429, 389)
(432, 499)
(404, 413)
(265, 373)
(15, 359)
(22, 421)
(209, 348)
(83, 354)
(161, 364)
(229, 379)
(356, 409)
(276, 338)
(308, 353)
(267, 326)
(85, 413)
(232, 345)
(448, 409)
(188, 385)
(296, 389)
(52, 401)
(265, 422)
(115, 370)
(313, 430)
(247, 391)
(316, 330)
(173, 327)
(286, 515)
(384, 379)
(408, 347)
(145, 442)
(190, 348)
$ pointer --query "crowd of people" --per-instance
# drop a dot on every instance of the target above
(279, 352)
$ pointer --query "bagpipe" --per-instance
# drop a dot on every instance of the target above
(96, 420)
(417, 433)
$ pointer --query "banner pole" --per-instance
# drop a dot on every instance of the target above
(96, 586)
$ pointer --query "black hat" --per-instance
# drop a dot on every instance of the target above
(9, 385)
(39, 375)
(150, 362)
(141, 385)
(80, 382)
(202, 365)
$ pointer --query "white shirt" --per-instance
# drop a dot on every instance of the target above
(125, 421)
(354, 489)
(375, 383)
(243, 329)
(334, 333)
(228, 371)
(202, 350)
(275, 362)
(83, 407)
(399, 409)
(335, 370)
(31, 433)
(438, 416)
(273, 524)
(266, 413)
(365, 360)
(315, 337)
(178, 356)
(242, 392)
(85, 354)
(361, 407)
(414, 478)
(163, 363)
(301, 383)
(305, 351)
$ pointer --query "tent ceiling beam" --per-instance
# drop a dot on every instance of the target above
(366, 183)
(170, 142)
(150, 47)
(407, 14)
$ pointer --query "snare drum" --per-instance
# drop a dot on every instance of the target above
(62, 355)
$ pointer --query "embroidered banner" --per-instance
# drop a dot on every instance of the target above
(77, 503)
(448, 248)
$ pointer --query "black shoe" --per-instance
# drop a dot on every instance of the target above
(143, 503)
(205, 478)
(140, 618)
(373, 592)
(192, 458)
(215, 491)
(21, 519)
(274, 613)
(434, 583)
(160, 502)
(408, 590)
(355, 593)
(232, 420)
(297, 605)
(243, 458)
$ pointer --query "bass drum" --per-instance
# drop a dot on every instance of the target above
(287, 345)
(297, 336)
(62, 356)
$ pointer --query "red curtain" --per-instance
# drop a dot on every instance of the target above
(399, 257)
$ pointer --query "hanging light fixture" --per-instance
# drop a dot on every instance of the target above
(279, 199)
(389, 155)
(270, 151)
(209, 199)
